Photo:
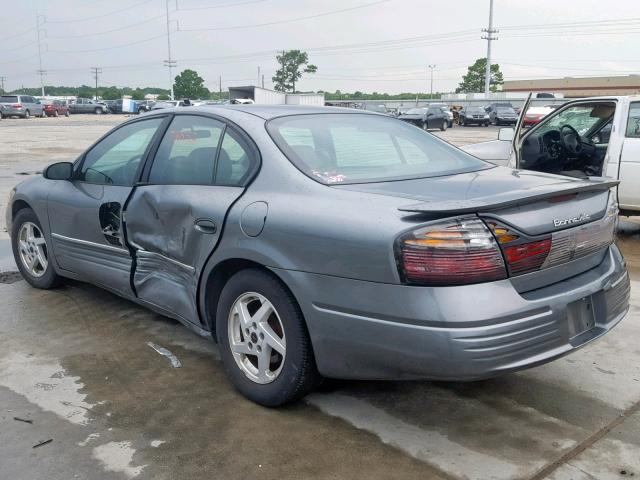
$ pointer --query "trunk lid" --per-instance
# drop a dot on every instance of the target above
(534, 203)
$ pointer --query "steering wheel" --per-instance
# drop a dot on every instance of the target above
(571, 139)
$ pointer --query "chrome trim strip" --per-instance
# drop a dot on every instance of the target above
(91, 244)
(175, 262)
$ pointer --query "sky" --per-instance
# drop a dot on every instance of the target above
(357, 45)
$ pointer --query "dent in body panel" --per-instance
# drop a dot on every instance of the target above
(170, 251)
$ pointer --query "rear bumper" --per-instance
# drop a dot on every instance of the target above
(369, 330)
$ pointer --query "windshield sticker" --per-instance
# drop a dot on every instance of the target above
(329, 177)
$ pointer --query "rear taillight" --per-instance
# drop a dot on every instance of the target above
(453, 252)
(16, 105)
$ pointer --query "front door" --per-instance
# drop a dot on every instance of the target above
(176, 216)
(85, 214)
(628, 191)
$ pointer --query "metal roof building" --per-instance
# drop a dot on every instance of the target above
(578, 86)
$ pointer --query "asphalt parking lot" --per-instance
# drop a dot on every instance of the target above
(75, 362)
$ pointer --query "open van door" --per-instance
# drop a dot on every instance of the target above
(517, 134)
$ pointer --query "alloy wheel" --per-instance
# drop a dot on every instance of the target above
(256, 337)
(33, 249)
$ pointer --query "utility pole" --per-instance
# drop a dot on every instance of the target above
(263, 80)
(489, 38)
(431, 67)
(169, 63)
(258, 74)
(2, 79)
(220, 86)
(96, 71)
(40, 70)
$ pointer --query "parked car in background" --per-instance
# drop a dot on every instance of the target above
(24, 106)
(446, 108)
(402, 110)
(55, 108)
(492, 107)
(534, 115)
(426, 118)
(370, 107)
(145, 106)
(401, 256)
(503, 116)
(110, 105)
(87, 105)
(473, 116)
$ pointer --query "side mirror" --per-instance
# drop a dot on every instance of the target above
(59, 171)
(506, 134)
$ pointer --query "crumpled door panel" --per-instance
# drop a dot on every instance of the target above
(170, 247)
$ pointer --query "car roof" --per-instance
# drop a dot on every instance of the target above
(272, 111)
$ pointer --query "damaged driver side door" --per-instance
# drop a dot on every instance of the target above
(176, 214)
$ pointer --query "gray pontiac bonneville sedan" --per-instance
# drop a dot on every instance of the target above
(319, 242)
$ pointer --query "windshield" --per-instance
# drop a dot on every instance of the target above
(416, 111)
(581, 117)
(476, 110)
(360, 148)
(510, 111)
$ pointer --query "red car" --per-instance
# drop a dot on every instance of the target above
(55, 108)
(535, 114)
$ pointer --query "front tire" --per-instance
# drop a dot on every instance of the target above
(263, 338)
(98, 111)
(31, 251)
(444, 126)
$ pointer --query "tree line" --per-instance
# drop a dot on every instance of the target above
(292, 65)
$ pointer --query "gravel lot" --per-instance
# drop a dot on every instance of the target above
(75, 362)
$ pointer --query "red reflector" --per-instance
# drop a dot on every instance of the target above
(16, 105)
(527, 256)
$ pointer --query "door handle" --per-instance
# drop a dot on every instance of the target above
(205, 226)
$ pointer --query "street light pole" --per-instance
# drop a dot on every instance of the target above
(169, 63)
(431, 67)
(489, 38)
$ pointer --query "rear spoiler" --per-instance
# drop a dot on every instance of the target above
(511, 199)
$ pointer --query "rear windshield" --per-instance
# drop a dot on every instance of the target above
(8, 99)
(360, 148)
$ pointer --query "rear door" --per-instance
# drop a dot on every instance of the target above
(629, 176)
(85, 214)
(176, 215)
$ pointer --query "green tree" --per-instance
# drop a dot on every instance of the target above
(163, 96)
(190, 85)
(138, 94)
(111, 93)
(473, 81)
(291, 70)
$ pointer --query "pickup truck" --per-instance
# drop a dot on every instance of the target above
(86, 105)
(591, 137)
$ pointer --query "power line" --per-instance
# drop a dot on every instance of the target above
(237, 4)
(17, 34)
(290, 20)
(120, 10)
(109, 48)
(105, 32)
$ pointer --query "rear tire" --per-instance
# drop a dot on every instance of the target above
(55, 113)
(98, 111)
(296, 374)
(27, 114)
(66, 114)
(36, 247)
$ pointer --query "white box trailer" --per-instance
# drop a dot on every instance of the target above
(259, 95)
(315, 99)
